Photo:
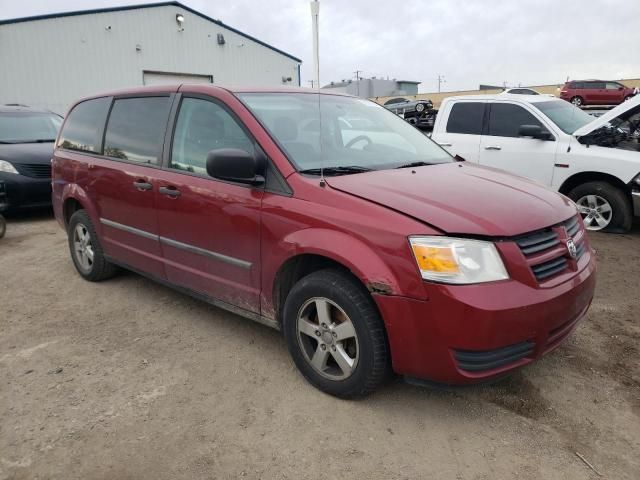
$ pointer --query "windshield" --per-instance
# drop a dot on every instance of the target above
(564, 115)
(351, 132)
(26, 127)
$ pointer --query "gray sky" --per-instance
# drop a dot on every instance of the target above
(470, 42)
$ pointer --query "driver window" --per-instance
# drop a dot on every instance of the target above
(613, 86)
(203, 126)
(505, 120)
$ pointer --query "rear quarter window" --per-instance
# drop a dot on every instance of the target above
(83, 128)
(466, 117)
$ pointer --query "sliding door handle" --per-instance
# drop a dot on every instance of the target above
(493, 147)
(142, 185)
(169, 191)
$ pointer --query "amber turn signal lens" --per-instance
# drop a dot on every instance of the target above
(435, 259)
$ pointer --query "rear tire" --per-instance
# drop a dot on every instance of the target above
(86, 251)
(594, 200)
(335, 334)
(577, 101)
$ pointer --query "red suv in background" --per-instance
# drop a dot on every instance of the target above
(330, 218)
(595, 92)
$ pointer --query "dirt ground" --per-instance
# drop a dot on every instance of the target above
(130, 380)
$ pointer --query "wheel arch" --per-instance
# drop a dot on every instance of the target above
(363, 264)
(74, 199)
(585, 177)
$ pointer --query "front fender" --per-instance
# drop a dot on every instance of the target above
(353, 253)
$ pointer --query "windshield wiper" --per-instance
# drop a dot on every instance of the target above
(342, 170)
(414, 164)
(4, 142)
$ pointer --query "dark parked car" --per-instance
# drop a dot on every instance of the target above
(27, 137)
(595, 92)
(418, 113)
(362, 240)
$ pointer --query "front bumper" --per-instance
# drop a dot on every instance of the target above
(470, 334)
(24, 192)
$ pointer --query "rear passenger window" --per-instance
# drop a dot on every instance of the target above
(466, 117)
(83, 128)
(136, 129)
(505, 119)
(203, 126)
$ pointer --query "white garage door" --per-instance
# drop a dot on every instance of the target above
(166, 78)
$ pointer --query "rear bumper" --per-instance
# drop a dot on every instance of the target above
(23, 193)
(471, 334)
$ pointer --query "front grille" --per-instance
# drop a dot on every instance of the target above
(478, 361)
(546, 251)
(35, 170)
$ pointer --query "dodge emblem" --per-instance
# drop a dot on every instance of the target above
(573, 251)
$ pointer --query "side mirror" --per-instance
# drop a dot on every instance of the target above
(235, 165)
(534, 131)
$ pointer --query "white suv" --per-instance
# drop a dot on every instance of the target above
(594, 161)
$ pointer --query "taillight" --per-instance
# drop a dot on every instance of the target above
(563, 91)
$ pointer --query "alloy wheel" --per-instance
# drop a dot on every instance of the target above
(596, 212)
(577, 101)
(327, 338)
(82, 247)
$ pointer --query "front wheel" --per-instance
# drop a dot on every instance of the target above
(335, 334)
(603, 207)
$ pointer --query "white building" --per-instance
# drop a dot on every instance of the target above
(51, 60)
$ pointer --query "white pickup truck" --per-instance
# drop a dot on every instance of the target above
(594, 161)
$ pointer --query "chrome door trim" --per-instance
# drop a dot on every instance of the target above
(176, 244)
(128, 229)
(206, 253)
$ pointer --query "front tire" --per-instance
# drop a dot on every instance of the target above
(603, 207)
(86, 251)
(577, 101)
(335, 334)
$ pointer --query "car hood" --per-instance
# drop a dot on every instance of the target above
(22, 153)
(624, 110)
(462, 198)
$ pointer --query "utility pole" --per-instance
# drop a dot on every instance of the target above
(357, 74)
(315, 13)
(441, 80)
(311, 82)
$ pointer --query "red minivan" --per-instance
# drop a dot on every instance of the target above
(595, 92)
(330, 218)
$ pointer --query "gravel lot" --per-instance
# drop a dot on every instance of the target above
(130, 380)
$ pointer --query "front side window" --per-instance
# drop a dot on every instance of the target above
(136, 128)
(203, 126)
(27, 127)
(505, 120)
(565, 115)
(613, 86)
(466, 117)
(334, 132)
(84, 126)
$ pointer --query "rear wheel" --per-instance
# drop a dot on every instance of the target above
(603, 207)
(577, 101)
(335, 334)
(86, 251)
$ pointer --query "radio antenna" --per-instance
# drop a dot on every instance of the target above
(315, 13)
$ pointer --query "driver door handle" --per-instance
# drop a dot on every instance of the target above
(445, 144)
(493, 147)
(169, 191)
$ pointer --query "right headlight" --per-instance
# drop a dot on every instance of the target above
(7, 167)
(457, 260)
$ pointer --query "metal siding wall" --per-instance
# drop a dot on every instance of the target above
(50, 63)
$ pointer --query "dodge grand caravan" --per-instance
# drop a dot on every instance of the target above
(330, 218)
